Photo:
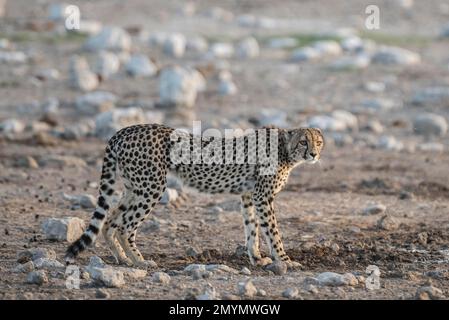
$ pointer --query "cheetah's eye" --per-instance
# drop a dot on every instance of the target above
(303, 142)
(319, 143)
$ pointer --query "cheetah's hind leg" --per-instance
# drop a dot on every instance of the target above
(110, 229)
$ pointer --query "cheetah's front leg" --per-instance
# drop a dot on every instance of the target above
(252, 231)
(263, 199)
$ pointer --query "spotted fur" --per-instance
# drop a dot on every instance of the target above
(142, 155)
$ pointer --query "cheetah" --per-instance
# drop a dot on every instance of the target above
(143, 155)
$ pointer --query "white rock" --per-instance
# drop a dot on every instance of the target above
(48, 264)
(197, 44)
(177, 86)
(374, 209)
(96, 261)
(13, 57)
(48, 74)
(198, 79)
(291, 293)
(89, 27)
(246, 20)
(350, 120)
(328, 47)
(37, 253)
(445, 31)
(326, 123)
(5, 43)
(107, 64)
(431, 146)
(305, 54)
(374, 86)
(248, 48)
(175, 45)
(395, 56)
(170, 195)
(140, 66)
(221, 50)
(360, 61)
(246, 288)
(58, 11)
(107, 276)
(220, 14)
(65, 229)
(37, 277)
(352, 44)
(221, 268)
(95, 102)
(157, 39)
(388, 223)
(380, 104)
(266, 23)
(80, 75)
(431, 95)
(390, 143)
(279, 268)
(12, 126)
(430, 124)
(84, 200)
(109, 122)
(133, 273)
(245, 271)
(227, 88)
(209, 293)
(161, 277)
(24, 268)
(194, 267)
(109, 38)
(334, 279)
(283, 43)
(275, 117)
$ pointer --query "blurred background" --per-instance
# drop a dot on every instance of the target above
(374, 75)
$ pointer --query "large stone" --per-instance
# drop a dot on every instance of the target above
(395, 56)
(305, 54)
(110, 38)
(175, 45)
(335, 279)
(48, 264)
(65, 229)
(177, 87)
(283, 43)
(246, 288)
(275, 117)
(375, 209)
(95, 102)
(197, 44)
(221, 50)
(108, 123)
(388, 223)
(13, 57)
(431, 96)
(429, 124)
(86, 201)
(328, 47)
(429, 292)
(33, 254)
(140, 66)
(248, 48)
(107, 276)
(279, 268)
(80, 75)
(106, 64)
(291, 293)
(169, 196)
(12, 126)
(161, 277)
(38, 277)
(360, 61)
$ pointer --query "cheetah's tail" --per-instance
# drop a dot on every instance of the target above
(107, 181)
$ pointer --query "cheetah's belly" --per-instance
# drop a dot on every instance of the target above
(234, 179)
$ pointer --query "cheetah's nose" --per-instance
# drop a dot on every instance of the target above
(313, 154)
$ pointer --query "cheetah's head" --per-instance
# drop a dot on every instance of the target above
(304, 144)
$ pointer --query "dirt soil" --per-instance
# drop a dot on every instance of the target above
(320, 212)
